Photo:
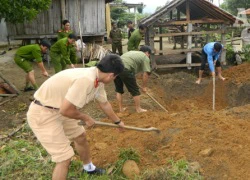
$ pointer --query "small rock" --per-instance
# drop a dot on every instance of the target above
(130, 169)
(193, 167)
(206, 152)
(100, 146)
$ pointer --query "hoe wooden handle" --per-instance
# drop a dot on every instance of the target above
(126, 127)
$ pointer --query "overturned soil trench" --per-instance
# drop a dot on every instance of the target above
(190, 126)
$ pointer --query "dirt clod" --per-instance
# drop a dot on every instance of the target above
(130, 169)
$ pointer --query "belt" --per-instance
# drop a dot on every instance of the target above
(40, 104)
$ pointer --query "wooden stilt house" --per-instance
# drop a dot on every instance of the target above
(192, 20)
(91, 14)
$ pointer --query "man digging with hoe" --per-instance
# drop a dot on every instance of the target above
(53, 116)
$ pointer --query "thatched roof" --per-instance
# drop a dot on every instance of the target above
(199, 9)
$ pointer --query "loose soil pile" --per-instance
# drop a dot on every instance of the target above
(189, 128)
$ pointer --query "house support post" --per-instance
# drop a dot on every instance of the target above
(223, 42)
(189, 45)
(152, 45)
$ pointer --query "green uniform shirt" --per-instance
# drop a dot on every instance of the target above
(62, 47)
(116, 35)
(136, 61)
(63, 34)
(134, 40)
(30, 52)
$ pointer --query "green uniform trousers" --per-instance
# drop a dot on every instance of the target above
(117, 45)
(58, 62)
(73, 57)
(23, 63)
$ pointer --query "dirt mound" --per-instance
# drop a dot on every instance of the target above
(190, 128)
(238, 74)
(183, 136)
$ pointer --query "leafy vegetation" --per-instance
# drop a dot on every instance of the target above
(22, 10)
(232, 5)
(246, 51)
(121, 15)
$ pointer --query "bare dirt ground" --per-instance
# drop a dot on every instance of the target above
(189, 128)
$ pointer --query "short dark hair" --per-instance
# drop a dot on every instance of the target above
(129, 22)
(72, 36)
(146, 49)
(217, 47)
(46, 43)
(65, 21)
(142, 27)
(111, 63)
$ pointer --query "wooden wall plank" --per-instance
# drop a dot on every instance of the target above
(57, 15)
(50, 20)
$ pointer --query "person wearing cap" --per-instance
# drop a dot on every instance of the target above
(54, 114)
(130, 28)
(23, 58)
(210, 54)
(65, 32)
(116, 38)
(60, 53)
(134, 62)
(135, 39)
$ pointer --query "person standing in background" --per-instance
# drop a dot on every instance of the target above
(116, 38)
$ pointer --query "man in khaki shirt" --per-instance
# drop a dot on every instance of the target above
(53, 115)
(134, 63)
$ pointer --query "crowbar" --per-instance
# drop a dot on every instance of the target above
(126, 127)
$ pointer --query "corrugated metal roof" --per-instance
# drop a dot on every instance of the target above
(198, 9)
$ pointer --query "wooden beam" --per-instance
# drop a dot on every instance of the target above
(188, 33)
(223, 41)
(108, 19)
(178, 51)
(161, 42)
(211, 21)
(152, 45)
(187, 10)
(177, 65)
(189, 45)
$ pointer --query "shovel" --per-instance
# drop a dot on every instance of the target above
(126, 127)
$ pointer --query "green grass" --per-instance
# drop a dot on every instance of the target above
(24, 158)
(175, 170)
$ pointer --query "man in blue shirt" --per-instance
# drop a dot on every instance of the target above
(211, 53)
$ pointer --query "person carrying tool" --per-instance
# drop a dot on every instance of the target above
(116, 38)
(135, 39)
(134, 62)
(54, 114)
(60, 53)
(211, 53)
(23, 58)
(65, 32)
